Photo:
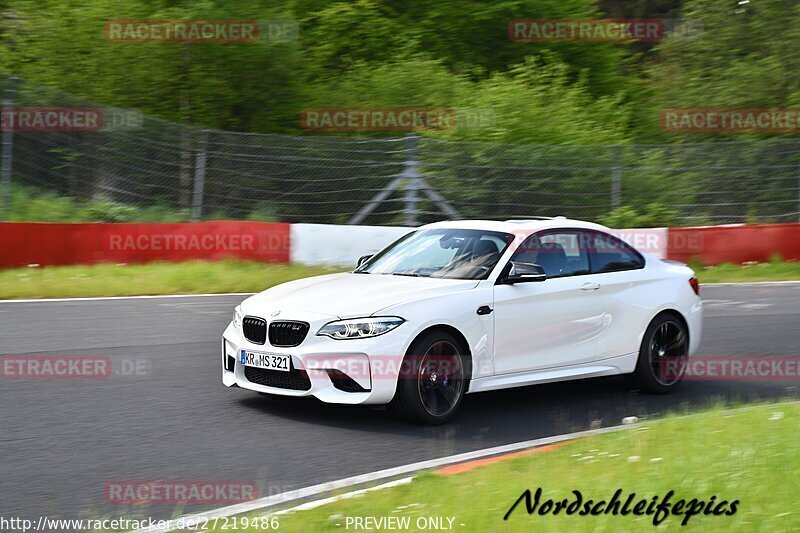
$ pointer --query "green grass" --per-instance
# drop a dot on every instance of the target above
(750, 455)
(727, 272)
(32, 204)
(196, 277)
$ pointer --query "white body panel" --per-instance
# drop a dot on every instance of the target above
(546, 325)
(563, 328)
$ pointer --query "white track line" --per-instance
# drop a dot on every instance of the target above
(325, 501)
(316, 490)
(103, 298)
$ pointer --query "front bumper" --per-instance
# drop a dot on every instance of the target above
(373, 364)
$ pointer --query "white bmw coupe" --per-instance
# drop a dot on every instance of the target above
(459, 307)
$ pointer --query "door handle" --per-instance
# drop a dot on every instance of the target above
(590, 286)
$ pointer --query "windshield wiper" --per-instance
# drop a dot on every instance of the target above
(410, 274)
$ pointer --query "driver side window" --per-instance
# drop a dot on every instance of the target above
(560, 253)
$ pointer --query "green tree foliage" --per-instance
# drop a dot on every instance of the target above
(373, 53)
(467, 36)
(745, 57)
(242, 86)
(365, 53)
(652, 215)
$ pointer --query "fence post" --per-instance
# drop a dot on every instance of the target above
(199, 176)
(411, 175)
(7, 151)
(616, 178)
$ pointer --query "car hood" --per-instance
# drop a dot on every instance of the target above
(348, 295)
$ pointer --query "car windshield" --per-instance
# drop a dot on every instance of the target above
(441, 253)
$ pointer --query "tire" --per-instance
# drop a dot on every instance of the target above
(663, 355)
(433, 379)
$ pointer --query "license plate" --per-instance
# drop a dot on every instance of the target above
(269, 361)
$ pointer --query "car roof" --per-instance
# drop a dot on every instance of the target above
(517, 226)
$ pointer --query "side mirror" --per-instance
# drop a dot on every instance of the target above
(523, 273)
(363, 259)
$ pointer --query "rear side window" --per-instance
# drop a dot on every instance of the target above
(609, 254)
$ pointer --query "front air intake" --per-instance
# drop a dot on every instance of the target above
(295, 379)
(343, 382)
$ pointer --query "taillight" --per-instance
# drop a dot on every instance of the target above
(695, 285)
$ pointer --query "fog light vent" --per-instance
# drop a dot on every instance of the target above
(343, 382)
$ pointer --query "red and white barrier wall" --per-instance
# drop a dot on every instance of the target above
(47, 244)
(735, 244)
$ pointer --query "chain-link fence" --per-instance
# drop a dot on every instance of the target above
(142, 168)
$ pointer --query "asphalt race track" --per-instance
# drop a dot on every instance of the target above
(61, 441)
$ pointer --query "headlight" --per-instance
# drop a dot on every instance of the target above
(237, 317)
(359, 328)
